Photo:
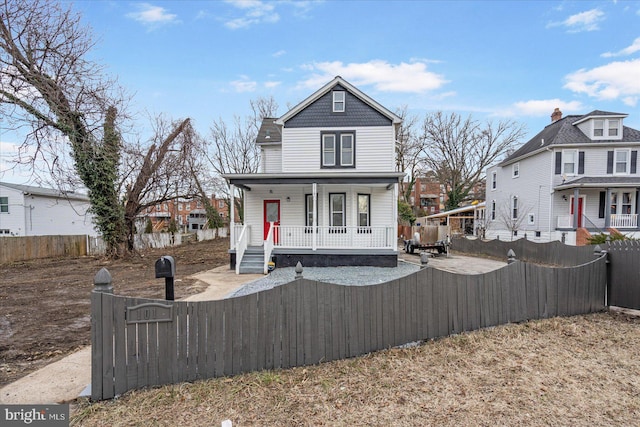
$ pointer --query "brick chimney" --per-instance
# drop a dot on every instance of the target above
(556, 115)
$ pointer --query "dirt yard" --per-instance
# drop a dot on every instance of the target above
(45, 304)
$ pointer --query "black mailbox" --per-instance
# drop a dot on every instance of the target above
(165, 267)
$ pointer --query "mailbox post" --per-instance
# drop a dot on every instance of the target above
(166, 267)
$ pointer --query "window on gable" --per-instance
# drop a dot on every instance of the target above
(338, 150)
(328, 150)
(621, 161)
(363, 210)
(494, 180)
(516, 170)
(337, 209)
(4, 205)
(569, 161)
(338, 101)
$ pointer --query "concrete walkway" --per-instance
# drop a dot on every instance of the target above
(68, 378)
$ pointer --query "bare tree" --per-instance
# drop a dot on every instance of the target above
(233, 148)
(160, 171)
(512, 214)
(409, 153)
(52, 92)
(459, 150)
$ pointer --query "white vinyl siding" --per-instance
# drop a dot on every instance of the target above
(272, 159)
(374, 148)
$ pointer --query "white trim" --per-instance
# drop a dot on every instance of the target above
(337, 101)
(627, 168)
(515, 170)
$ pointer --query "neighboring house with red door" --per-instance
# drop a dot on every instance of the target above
(327, 189)
(578, 175)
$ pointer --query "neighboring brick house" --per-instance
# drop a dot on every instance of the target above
(577, 175)
(428, 196)
(190, 215)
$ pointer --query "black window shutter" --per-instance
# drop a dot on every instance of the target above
(603, 195)
(580, 162)
(634, 161)
(609, 161)
(558, 162)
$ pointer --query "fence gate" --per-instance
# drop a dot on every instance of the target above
(624, 274)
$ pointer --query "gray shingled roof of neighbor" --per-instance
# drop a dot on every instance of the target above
(599, 181)
(564, 131)
(46, 192)
(269, 132)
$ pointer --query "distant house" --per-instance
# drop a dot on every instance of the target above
(189, 214)
(427, 196)
(327, 190)
(34, 211)
(577, 176)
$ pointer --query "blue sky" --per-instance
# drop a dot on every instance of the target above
(495, 60)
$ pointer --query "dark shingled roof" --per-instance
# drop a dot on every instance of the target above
(269, 132)
(599, 181)
(563, 132)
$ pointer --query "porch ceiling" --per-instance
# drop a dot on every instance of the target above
(248, 180)
(600, 182)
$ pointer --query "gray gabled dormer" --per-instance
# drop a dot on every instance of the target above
(601, 125)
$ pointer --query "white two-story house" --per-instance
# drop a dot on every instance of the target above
(26, 210)
(327, 189)
(579, 173)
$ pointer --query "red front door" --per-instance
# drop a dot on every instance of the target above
(580, 200)
(271, 214)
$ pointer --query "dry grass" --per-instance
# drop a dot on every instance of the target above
(582, 370)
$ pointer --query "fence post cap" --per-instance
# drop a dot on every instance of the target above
(299, 270)
(102, 281)
(511, 256)
(597, 250)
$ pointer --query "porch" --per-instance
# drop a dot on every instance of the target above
(617, 221)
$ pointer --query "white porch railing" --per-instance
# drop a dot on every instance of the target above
(268, 248)
(241, 246)
(624, 220)
(336, 237)
(616, 221)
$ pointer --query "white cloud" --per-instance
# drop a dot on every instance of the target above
(279, 53)
(255, 12)
(583, 21)
(543, 107)
(617, 80)
(244, 85)
(629, 50)
(383, 76)
(270, 85)
(152, 16)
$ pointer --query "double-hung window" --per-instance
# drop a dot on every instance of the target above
(4, 205)
(613, 127)
(494, 180)
(346, 149)
(309, 214)
(516, 170)
(493, 210)
(364, 213)
(621, 161)
(598, 128)
(569, 163)
(514, 210)
(338, 149)
(328, 150)
(338, 101)
(337, 211)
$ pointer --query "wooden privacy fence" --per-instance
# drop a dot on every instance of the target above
(37, 247)
(551, 253)
(624, 273)
(140, 342)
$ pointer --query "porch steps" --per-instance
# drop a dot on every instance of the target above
(252, 261)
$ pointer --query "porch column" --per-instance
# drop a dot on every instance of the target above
(232, 215)
(394, 209)
(637, 207)
(576, 200)
(607, 208)
(314, 215)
